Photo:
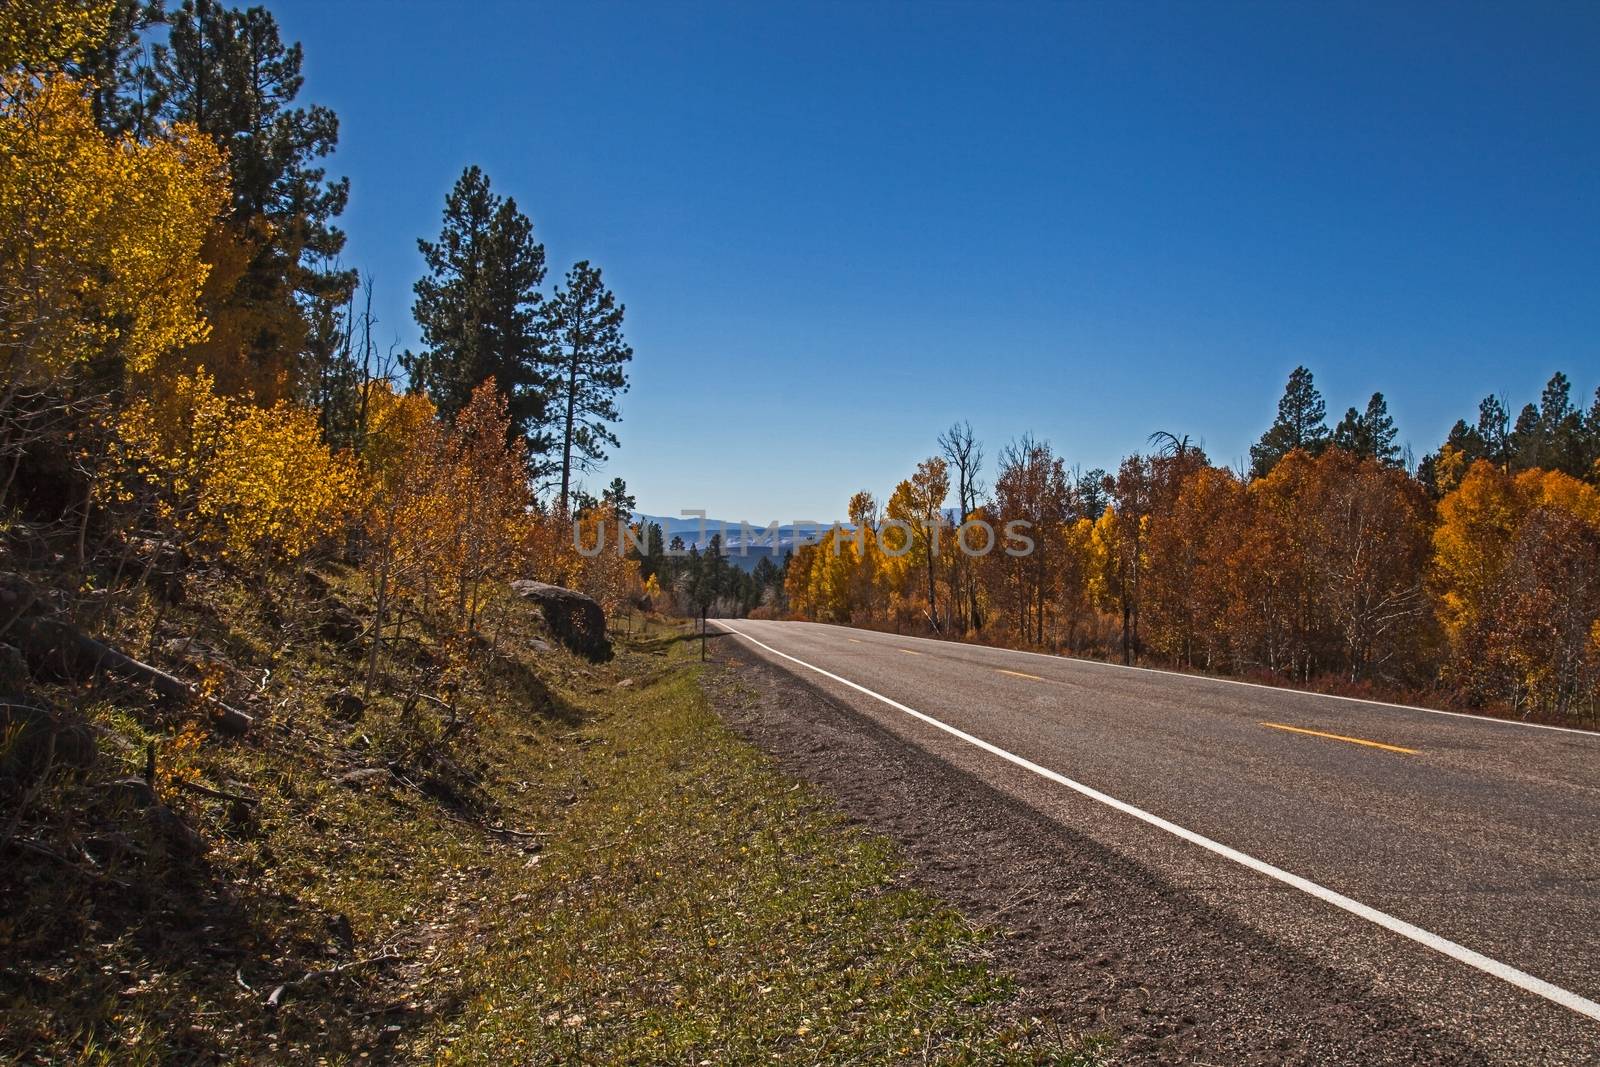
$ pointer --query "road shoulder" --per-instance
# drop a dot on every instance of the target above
(1099, 944)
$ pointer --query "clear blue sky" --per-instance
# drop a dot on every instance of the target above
(839, 227)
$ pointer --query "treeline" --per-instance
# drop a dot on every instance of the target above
(1472, 577)
(678, 577)
(187, 374)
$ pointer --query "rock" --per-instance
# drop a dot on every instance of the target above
(170, 827)
(339, 625)
(345, 706)
(34, 736)
(575, 619)
(13, 665)
(539, 644)
(132, 793)
(339, 926)
(357, 778)
(161, 564)
(626, 683)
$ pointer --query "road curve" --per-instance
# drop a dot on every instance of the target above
(1450, 861)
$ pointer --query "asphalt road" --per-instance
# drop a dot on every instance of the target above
(1449, 862)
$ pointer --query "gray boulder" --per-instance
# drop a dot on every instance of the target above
(575, 619)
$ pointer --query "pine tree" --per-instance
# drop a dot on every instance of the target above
(1591, 438)
(478, 308)
(616, 494)
(1561, 426)
(1370, 434)
(712, 576)
(584, 357)
(651, 562)
(1494, 430)
(1300, 424)
(227, 72)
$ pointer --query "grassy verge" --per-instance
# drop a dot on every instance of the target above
(696, 905)
(594, 869)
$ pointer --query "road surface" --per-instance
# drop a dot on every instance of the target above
(1451, 862)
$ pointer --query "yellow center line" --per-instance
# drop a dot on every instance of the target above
(908, 652)
(1341, 737)
(1019, 674)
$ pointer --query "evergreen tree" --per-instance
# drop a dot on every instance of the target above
(1089, 495)
(1591, 438)
(125, 91)
(1300, 424)
(616, 494)
(652, 562)
(478, 308)
(584, 357)
(711, 575)
(1370, 434)
(1527, 442)
(1494, 430)
(1551, 435)
(1561, 427)
(227, 72)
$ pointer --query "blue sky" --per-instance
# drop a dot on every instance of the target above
(839, 227)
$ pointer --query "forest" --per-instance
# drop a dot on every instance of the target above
(189, 372)
(1470, 577)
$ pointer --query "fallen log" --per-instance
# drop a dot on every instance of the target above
(276, 997)
(57, 648)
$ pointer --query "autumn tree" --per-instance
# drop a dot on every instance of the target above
(1272, 606)
(227, 73)
(38, 36)
(1515, 579)
(1030, 485)
(402, 457)
(585, 357)
(1187, 592)
(1368, 556)
(864, 562)
(100, 272)
(253, 485)
(963, 454)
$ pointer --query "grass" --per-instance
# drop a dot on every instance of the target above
(594, 870)
(697, 905)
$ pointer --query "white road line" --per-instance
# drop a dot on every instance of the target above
(1444, 946)
(1180, 675)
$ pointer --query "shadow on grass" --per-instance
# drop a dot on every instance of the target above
(518, 678)
(119, 919)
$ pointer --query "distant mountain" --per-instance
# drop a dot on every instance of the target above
(744, 556)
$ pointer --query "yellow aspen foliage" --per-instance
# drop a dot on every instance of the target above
(275, 490)
(162, 446)
(256, 484)
(1105, 556)
(47, 33)
(449, 510)
(608, 575)
(1517, 576)
(403, 437)
(99, 238)
(1449, 467)
(1477, 523)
